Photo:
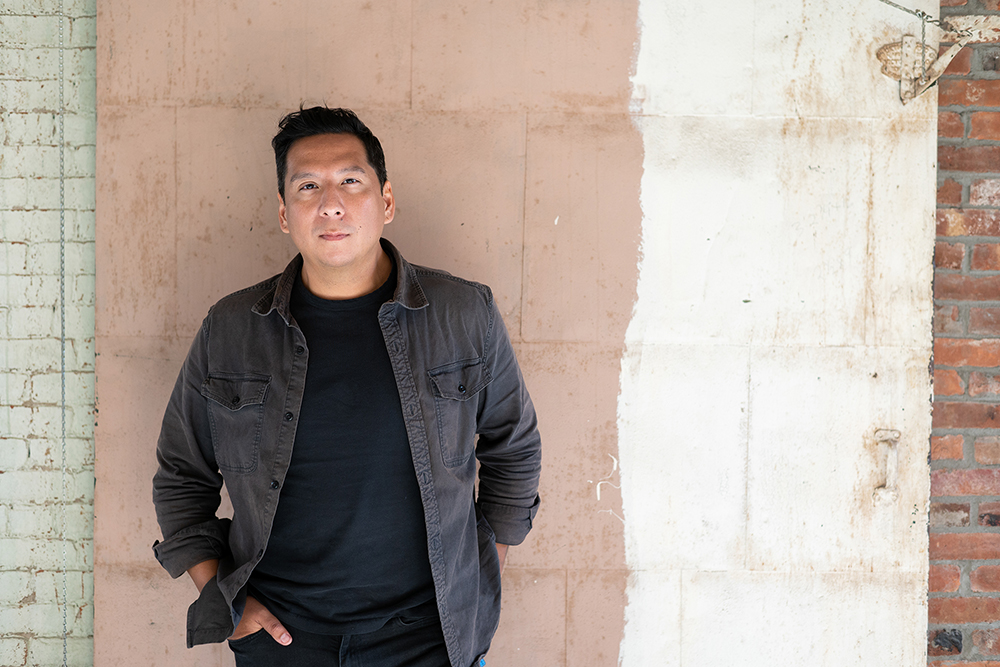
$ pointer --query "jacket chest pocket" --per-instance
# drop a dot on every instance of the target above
(236, 415)
(455, 387)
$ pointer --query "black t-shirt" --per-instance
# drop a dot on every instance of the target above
(348, 546)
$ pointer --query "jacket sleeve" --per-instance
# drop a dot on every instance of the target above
(509, 447)
(186, 486)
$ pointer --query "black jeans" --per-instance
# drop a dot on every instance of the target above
(410, 643)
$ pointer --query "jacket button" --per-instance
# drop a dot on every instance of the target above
(461, 388)
(289, 416)
(260, 553)
(299, 349)
(236, 400)
(274, 484)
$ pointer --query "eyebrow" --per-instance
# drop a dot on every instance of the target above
(346, 170)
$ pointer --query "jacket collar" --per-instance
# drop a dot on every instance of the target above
(408, 293)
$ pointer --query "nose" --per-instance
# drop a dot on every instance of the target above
(331, 205)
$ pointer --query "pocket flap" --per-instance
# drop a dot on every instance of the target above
(461, 380)
(235, 391)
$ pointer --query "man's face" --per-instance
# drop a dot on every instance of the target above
(333, 207)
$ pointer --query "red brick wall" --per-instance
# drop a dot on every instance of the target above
(964, 583)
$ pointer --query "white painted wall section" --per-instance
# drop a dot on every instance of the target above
(783, 316)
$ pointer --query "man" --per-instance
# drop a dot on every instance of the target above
(340, 402)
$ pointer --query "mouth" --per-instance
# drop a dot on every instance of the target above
(334, 236)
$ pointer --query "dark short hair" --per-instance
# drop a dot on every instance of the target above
(323, 120)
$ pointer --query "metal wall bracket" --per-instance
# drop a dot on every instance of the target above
(914, 65)
(888, 491)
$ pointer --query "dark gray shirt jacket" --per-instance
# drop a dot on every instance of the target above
(232, 418)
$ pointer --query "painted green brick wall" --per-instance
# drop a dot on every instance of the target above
(31, 481)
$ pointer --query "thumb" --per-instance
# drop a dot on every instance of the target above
(274, 627)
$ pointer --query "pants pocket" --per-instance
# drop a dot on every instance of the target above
(242, 642)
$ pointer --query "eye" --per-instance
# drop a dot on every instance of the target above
(351, 180)
(308, 186)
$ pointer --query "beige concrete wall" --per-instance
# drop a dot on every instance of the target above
(514, 162)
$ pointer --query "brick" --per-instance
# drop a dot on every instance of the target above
(70, 8)
(38, 486)
(48, 454)
(948, 255)
(950, 192)
(13, 651)
(79, 651)
(965, 415)
(13, 454)
(46, 421)
(964, 546)
(962, 63)
(953, 3)
(986, 257)
(16, 588)
(963, 610)
(968, 222)
(979, 482)
(963, 663)
(962, 92)
(46, 651)
(31, 290)
(989, 514)
(944, 579)
(985, 125)
(46, 620)
(947, 320)
(965, 352)
(45, 554)
(987, 450)
(946, 446)
(46, 388)
(955, 287)
(985, 192)
(989, 57)
(969, 158)
(47, 522)
(984, 321)
(951, 125)
(949, 515)
(987, 641)
(983, 383)
(49, 586)
(948, 383)
(985, 579)
(42, 354)
(944, 642)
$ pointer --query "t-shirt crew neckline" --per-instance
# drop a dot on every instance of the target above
(303, 296)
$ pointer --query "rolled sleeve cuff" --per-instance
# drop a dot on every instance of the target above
(209, 619)
(510, 523)
(192, 545)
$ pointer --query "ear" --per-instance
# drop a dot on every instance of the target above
(282, 220)
(390, 202)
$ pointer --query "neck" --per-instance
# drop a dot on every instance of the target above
(344, 283)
